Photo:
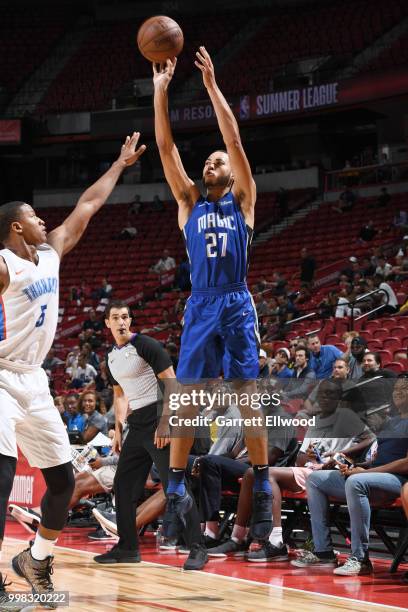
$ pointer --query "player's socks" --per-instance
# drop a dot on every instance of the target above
(276, 536)
(42, 548)
(261, 482)
(239, 533)
(176, 484)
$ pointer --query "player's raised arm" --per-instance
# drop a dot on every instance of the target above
(66, 236)
(244, 187)
(183, 188)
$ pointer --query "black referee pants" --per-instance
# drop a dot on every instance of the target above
(135, 460)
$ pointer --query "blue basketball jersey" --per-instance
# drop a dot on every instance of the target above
(217, 242)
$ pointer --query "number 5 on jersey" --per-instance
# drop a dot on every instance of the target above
(212, 250)
(40, 320)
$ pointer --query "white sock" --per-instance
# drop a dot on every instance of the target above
(42, 548)
(276, 536)
(211, 529)
(239, 533)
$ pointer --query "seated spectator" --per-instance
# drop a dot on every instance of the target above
(358, 349)
(378, 481)
(183, 279)
(322, 356)
(278, 283)
(280, 368)
(303, 376)
(135, 205)
(223, 470)
(262, 284)
(383, 199)
(336, 430)
(367, 268)
(82, 374)
(368, 232)
(105, 292)
(59, 404)
(287, 311)
(264, 371)
(92, 330)
(399, 272)
(303, 296)
(327, 307)
(90, 355)
(401, 220)
(371, 396)
(103, 386)
(165, 263)
(346, 298)
(129, 232)
(347, 338)
(262, 307)
(51, 362)
(74, 420)
(157, 205)
(90, 405)
(383, 267)
(392, 306)
(307, 266)
(352, 268)
(347, 200)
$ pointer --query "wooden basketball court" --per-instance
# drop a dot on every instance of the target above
(153, 586)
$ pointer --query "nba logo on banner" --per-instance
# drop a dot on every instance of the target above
(244, 107)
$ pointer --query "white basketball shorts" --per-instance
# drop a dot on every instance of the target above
(29, 420)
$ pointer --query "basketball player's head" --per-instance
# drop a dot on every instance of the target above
(217, 173)
(19, 221)
(118, 319)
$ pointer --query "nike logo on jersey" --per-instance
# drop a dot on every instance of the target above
(245, 313)
(19, 272)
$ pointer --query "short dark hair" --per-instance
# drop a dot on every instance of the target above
(9, 213)
(302, 347)
(376, 355)
(116, 304)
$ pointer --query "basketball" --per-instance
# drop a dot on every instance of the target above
(160, 38)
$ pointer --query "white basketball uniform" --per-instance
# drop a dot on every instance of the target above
(28, 320)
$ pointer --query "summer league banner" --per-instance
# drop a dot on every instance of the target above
(258, 106)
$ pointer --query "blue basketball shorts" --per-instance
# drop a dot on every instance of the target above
(220, 334)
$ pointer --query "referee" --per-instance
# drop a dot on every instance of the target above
(134, 365)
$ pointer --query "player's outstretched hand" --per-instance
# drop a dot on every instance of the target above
(163, 73)
(128, 153)
(204, 63)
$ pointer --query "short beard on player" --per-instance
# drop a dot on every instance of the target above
(221, 182)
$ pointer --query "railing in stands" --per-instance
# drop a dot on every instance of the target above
(375, 174)
(366, 314)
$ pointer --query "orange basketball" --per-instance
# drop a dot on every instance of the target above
(160, 38)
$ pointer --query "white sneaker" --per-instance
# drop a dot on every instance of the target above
(354, 567)
(26, 517)
(107, 520)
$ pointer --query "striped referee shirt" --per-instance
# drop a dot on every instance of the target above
(135, 367)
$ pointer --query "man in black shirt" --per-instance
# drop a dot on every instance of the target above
(307, 267)
(135, 366)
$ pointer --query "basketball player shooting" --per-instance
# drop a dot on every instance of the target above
(29, 279)
(220, 323)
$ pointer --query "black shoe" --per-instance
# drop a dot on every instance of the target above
(7, 603)
(261, 521)
(197, 558)
(210, 542)
(118, 555)
(100, 535)
(174, 520)
(268, 552)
